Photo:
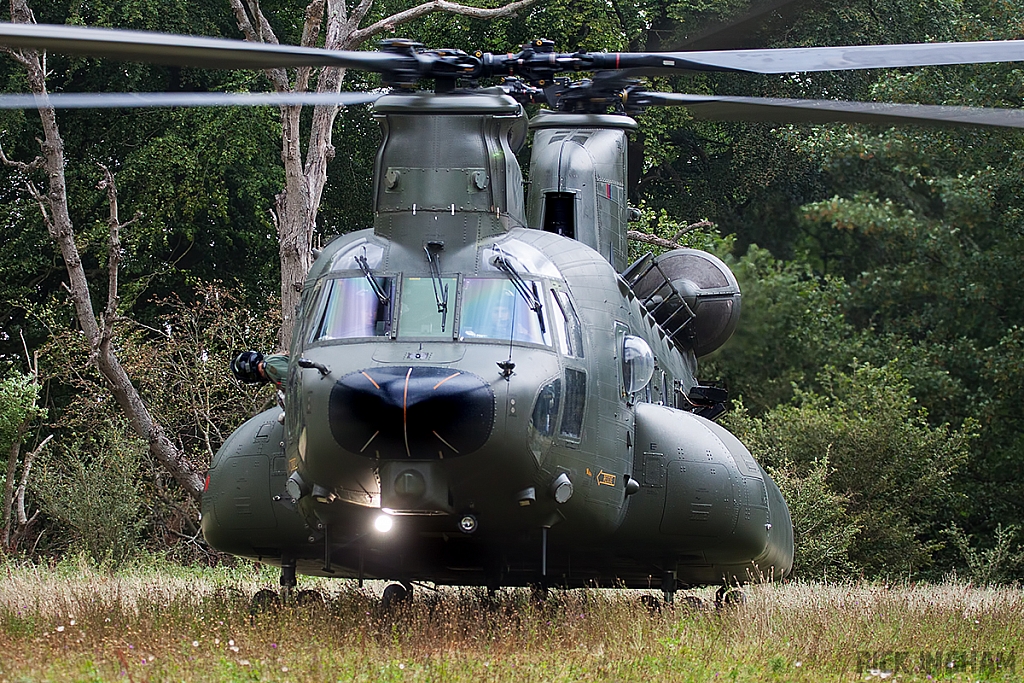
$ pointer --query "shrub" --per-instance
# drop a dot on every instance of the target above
(823, 528)
(1001, 563)
(91, 486)
(891, 467)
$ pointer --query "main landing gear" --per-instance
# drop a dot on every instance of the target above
(725, 596)
(267, 600)
(728, 596)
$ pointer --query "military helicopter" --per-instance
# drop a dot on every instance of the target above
(482, 390)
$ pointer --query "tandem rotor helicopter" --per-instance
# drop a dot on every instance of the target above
(481, 389)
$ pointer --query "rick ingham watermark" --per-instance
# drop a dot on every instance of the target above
(886, 663)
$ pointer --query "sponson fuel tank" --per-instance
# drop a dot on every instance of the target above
(698, 483)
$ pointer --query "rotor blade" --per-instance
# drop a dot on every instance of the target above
(800, 59)
(714, 108)
(129, 100)
(176, 50)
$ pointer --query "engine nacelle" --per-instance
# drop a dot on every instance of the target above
(692, 294)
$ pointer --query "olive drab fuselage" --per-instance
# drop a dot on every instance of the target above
(485, 373)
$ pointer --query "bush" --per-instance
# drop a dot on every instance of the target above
(823, 528)
(18, 395)
(181, 366)
(891, 467)
(1001, 563)
(91, 486)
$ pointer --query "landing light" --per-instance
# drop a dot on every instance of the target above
(467, 524)
(383, 523)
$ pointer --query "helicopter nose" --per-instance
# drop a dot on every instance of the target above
(411, 412)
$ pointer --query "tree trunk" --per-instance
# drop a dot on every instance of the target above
(100, 333)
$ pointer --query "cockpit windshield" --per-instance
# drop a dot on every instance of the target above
(422, 314)
(493, 309)
(349, 307)
(489, 308)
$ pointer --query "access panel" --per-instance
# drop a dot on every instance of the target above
(700, 500)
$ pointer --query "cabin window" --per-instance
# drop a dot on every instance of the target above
(567, 324)
(349, 307)
(575, 403)
(424, 311)
(637, 364)
(545, 410)
(493, 309)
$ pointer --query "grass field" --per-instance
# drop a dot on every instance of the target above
(165, 623)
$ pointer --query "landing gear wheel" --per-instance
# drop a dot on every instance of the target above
(309, 599)
(693, 603)
(652, 603)
(730, 596)
(395, 595)
(265, 600)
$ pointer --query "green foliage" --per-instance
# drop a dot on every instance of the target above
(792, 325)
(91, 485)
(19, 412)
(1002, 562)
(184, 374)
(18, 408)
(203, 186)
(926, 227)
(866, 437)
(201, 181)
(824, 530)
(181, 369)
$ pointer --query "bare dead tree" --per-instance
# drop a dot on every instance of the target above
(99, 331)
(299, 201)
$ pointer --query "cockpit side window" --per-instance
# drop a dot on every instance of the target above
(568, 324)
(349, 308)
(493, 309)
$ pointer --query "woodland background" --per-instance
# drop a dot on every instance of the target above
(878, 370)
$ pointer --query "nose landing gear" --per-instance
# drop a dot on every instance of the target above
(395, 595)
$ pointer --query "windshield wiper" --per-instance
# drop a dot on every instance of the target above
(532, 297)
(364, 266)
(433, 250)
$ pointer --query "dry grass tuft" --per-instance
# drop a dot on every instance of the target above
(72, 622)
